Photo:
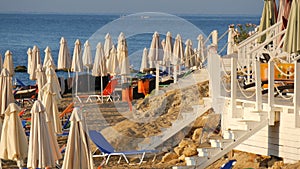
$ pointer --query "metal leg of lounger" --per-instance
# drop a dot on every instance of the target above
(154, 158)
(107, 159)
(142, 158)
(125, 158)
(119, 159)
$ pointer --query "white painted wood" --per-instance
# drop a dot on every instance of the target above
(258, 98)
(297, 93)
(271, 92)
(233, 86)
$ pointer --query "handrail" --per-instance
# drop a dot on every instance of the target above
(255, 36)
(267, 41)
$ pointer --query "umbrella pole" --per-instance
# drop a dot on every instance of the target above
(20, 163)
(0, 164)
(157, 78)
(76, 86)
(175, 73)
(101, 88)
(88, 71)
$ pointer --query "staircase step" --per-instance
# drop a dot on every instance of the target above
(192, 161)
(233, 134)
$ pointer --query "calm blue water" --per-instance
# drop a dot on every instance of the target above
(18, 32)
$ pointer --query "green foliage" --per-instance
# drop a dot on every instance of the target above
(243, 32)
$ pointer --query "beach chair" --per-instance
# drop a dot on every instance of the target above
(107, 150)
(228, 165)
(108, 93)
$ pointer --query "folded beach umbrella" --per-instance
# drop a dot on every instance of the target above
(284, 12)
(64, 58)
(145, 63)
(178, 53)
(87, 56)
(29, 55)
(122, 55)
(99, 67)
(155, 50)
(8, 63)
(113, 64)
(14, 145)
(6, 94)
(52, 78)
(268, 17)
(77, 65)
(168, 51)
(35, 60)
(78, 152)
(201, 50)
(189, 54)
(48, 59)
(292, 36)
(41, 80)
(50, 102)
(43, 148)
(108, 44)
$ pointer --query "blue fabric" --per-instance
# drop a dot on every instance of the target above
(229, 164)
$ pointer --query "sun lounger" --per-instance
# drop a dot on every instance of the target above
(108, 93)
(107, 150)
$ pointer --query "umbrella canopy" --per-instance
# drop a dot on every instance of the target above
(189, 54)
(284, 12)
(155, 50)
(64, 58)
(8, 63)
(108, 44)
(41, 80)
(50, 103)
(35, 61)
(268, 17)
(99, 67)
(113, 64)
(6, 96)
(1, 62)
(168, 55)
(77, 65)
(29, 55)
(52, 78)
(87, 55)
(292, 35)
(122, 55)
(201, 49)
(144, 64)
(78, 154)
(178, 51)
(43, 147)
(48, 59)
(13, 139)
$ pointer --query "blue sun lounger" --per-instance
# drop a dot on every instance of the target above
(107, 150)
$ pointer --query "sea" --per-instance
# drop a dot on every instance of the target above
(18, 32)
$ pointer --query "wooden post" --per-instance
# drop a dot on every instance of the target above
(271, 112)
(215, 38)
(297, 93)
(233, 86)
(230, 40)
(214, 74)
(258, 104)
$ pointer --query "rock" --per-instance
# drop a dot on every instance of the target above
(20, 69)
(173, 162)
(197, 134)
(178, 150)
(190, 151)
(182, 158)
(277, 164)
(169, 156)
(185, 143)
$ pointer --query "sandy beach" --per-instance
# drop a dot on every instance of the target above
(119, 118)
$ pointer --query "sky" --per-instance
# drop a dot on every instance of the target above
(242, 7)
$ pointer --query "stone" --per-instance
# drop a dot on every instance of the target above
(182, 158)
(178, 150)
(173, 162)
(185, 142)
(197, 134)
(189, 151)
(169, 156)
